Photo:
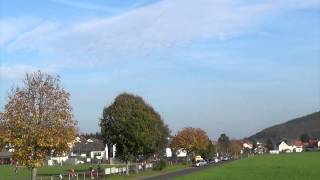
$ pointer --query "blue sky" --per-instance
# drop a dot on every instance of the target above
(231, 67)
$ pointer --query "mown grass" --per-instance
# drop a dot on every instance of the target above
(294, 166)
(7, 172)
(149, 173)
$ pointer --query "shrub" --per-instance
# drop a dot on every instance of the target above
(160, 165)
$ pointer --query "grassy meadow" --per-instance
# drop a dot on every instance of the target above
(149, 173)
(7, 172)
(293, 166)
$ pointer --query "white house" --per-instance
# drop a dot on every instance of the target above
(57, 160)
(92, 149)
(298, 146)
(181, 153)
(168, 152)
(247, 144)
(85, 150)
(319, 144)
(284, 147)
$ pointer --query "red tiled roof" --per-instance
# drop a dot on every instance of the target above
(297, 143)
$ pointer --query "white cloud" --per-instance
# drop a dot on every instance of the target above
(11, 27)
(38, 37)
(15, 72)
(163, 25)
(295, 4)
(87, 5)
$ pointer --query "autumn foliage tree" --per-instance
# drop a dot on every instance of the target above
(235, 147)
(192, 140)
(37, 120)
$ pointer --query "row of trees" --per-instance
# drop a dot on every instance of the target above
(38, 122)
(196, 142)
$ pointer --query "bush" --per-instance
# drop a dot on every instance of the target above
(160, 165)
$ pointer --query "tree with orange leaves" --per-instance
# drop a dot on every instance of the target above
(235, 148)
(37, 121)
(192, 140)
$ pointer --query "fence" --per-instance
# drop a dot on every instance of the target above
(134, 168)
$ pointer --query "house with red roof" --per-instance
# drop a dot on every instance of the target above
(297, 146)
(247, 144)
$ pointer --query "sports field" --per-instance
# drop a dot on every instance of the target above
(293, 166)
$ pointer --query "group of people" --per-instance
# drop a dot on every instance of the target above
(92, 173)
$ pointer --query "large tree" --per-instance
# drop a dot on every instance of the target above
(37, 120)
(235, 148)
(224, 143)
(134, 127)
(192, 140)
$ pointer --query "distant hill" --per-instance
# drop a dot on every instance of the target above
(292, 129)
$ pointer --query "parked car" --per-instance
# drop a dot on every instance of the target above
(200, 163)
(216, 160)
(211, 161)
(225, 158)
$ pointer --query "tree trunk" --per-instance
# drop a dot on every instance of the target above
(127, 172)
(34, 173)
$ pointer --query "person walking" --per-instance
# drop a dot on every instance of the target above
(16, 168)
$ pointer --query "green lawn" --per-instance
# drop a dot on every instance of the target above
(149, 173)
(294, 166)
(7, 172)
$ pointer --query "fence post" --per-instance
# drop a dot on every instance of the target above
(84, 175)
(51, 178)
(77, 176)
(69, 176)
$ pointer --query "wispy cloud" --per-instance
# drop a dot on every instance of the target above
(87, 5)
(11, 27)
(162, 25)
(14, 72)
(38, 37)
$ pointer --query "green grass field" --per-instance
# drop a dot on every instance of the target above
(294, 166)
(149, 173)
(7, 172)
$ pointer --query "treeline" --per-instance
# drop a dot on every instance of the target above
(41, 108)
(96, 135)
